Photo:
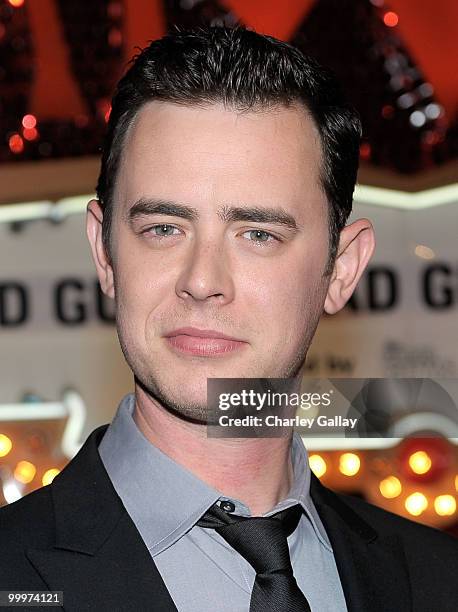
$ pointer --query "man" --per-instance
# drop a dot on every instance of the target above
(220, 231)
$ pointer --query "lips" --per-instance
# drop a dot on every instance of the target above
(202, 342)
(200, 333)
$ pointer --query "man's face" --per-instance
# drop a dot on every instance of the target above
(221, 266)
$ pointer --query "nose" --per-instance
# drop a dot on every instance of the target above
(206, 274)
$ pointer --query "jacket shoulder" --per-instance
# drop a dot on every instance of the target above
(414, 535)
(26, 523)
(29, 520)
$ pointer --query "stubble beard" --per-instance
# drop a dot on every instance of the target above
(197, 412)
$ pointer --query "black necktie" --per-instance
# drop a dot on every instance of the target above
(262, 541)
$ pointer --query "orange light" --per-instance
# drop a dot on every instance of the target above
(29, 121)
(49, 476)
(445, 505)
(424, 252)
(390, 487)
(5, 445)
(365, 150)
(115, 37)
(25, 471)
(104, 108)
(317, 465)
(16, 3)
(420, 462)
(387, 111)
(390, 19)
(16, 143)
(416, 503)
(30, 133)
(349, 464)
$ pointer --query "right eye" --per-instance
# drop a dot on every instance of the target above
(163, 230)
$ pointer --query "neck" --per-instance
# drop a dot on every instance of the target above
(258, 472)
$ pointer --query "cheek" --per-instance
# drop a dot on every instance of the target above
(140, 292)
(285, 298)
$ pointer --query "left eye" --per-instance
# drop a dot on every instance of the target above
(260, 235)
(163, 227)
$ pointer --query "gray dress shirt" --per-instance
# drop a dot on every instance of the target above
(201, 571)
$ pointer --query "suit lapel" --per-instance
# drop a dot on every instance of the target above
(371, 567)
(98, 560)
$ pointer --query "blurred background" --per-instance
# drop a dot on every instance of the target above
(61, 370)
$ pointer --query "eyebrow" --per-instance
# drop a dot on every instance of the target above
(257, 214)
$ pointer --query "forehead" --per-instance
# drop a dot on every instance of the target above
(213, 154)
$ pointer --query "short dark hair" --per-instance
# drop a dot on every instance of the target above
(246, 71)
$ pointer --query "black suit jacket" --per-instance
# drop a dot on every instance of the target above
(75, 536)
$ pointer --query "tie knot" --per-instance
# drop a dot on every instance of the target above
(262, 541)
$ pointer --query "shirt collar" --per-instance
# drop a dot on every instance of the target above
(164, 499)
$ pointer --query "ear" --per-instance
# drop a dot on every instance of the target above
(356, 246)
(94, 218)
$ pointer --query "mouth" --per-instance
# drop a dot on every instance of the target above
(202, 342)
